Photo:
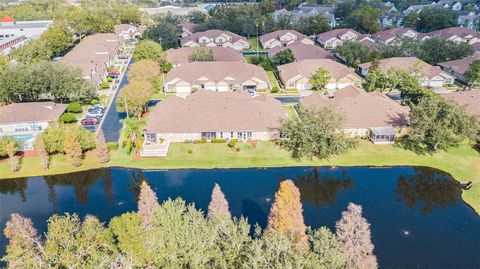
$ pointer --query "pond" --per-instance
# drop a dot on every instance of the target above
(417, 216)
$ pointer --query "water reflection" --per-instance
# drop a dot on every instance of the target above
(81, 182)
(12, 186)
(322, 190)
(136, 179)
(429, 189)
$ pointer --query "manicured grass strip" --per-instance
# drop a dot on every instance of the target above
(273, 80)
(462, 163)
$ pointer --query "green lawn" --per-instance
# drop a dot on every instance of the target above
(272, 79)
(253, 44)
(291, 111)
(462, 163)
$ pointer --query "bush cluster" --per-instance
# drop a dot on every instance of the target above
(232, 143)
(68, 118)
(218, 140)
(74, 107)
(199, 141)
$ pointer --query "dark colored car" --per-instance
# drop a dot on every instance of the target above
(89, 121)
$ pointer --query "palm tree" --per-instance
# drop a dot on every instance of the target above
(132, 130)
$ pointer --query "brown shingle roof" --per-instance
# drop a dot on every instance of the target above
(446, 33)
(406, 63)
(221, 54)
(460, 65)
(276, 35)
(307, 67)
(303, 51)
(216, 111)
(93, 52)
(235, 72)
(361, 109)
(387, 34)
(35, 111)
(469, 99)
(188, 26)
(336, 33)
(212, 34)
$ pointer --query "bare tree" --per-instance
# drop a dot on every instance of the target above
(147, 203)
(353, 232)
(25, 248)
(218, 206)
(40, 147)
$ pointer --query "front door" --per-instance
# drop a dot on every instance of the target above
(244, 136)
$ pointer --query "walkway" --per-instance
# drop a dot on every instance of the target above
(111, 123)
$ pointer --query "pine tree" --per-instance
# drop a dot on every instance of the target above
(72, 148)
(353, 232)
(25, 247)
(11, 150)
(218, 206)
(102, 148)
(147, 203)
(40, 147)
(286, 213)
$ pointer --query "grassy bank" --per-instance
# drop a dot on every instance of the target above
(462, 163)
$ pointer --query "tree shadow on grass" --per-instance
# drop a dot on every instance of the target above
(411, 145)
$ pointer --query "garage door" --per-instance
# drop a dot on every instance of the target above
(436, 83)
(183, 91)
(222, 88)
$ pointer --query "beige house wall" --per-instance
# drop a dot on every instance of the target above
(181, 137)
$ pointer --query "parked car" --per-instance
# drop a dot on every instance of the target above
(96, 107)
(89, 121)
(123, 57)
(95, 114)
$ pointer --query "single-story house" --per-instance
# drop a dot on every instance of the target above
(458, 67)
(469, 99)
(214, 38)
(24, 121)
(457, 34)
(216, 76)
(128, 32)
(335, 38)
(221, 54)
(94, 54)
(372, 115)
(387, 36)
(282, 38)
(302, 51)
(430, 76)
(212, 115)
(187, 28)
(296, 75)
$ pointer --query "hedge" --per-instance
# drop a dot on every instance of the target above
(105, 84)
(219, 140)
(232, 143)
(275, 89)
(199, 141)
(68, 118)
(74, 107)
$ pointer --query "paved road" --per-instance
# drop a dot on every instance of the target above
(112, 125)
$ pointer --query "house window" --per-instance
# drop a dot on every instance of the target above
(244, 136)
(291, 85)
(231, 135)
(221, 134)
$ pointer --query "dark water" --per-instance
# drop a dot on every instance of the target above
(418, 218)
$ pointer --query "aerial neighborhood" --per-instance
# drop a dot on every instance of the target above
(156, 85)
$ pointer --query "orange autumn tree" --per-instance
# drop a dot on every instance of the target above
(286, 214)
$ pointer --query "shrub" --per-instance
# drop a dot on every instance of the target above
(54, 135)
(105, 84)
(190, 151)
(4, 141)
(68, 118)
(232, 143)
(95, 102)
(237, 149)
(275, 89)
(188, 141)
(113, 145)
(109, 79)
(199, 141)
(74, 107)
(219, 140)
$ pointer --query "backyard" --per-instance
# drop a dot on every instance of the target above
(462, 163)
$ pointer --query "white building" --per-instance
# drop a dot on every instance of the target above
(30, 29)
(24, 121)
